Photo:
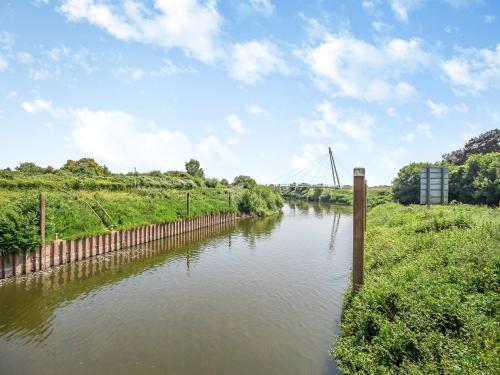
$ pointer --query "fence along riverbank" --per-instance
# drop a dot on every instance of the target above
(60, 252)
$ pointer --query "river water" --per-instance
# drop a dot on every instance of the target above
(255, 297)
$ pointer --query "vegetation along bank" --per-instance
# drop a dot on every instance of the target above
(430, 300)
(84, 198)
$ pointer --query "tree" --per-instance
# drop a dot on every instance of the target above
(194, 169)
(85, 167)
(477, 181)
(406, 186)
(244, 181)
(482, 144)
(30, 168)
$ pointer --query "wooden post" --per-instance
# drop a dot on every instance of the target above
(428, 187)
(42, 231)
(187, 204)
(358, 202)
(229, 201)
(366, 204)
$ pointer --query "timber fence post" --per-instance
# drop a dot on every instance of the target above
(358, 203)
(42, 230)
(366, 204)
(187, 204)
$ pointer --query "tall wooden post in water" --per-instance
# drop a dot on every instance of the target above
(358, 205)
(187, 204)
(41, 260)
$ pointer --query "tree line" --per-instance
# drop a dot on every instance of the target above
(474, 173)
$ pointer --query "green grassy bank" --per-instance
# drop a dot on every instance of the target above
(76, 207)
(375, 197)
(430, 303)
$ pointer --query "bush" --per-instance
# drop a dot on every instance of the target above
(406, 186)
(477, 181)
(19, 226)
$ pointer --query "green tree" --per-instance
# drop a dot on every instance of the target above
(194, 169)
(477, 180)
(482, 144)
(244, 181)
(85, 167)
(406, 186)
(30, 168)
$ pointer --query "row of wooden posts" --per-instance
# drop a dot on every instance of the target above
(360, 207)
(67, 251)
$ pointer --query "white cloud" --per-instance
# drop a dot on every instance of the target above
(39, 74)
(410, 137)
(327, 119)
(234, 123)
(437, 109)
(401, 8)
(186, 24)
(24, 58)
(253, 60)
(310, 153)
(120, 138)
(168, 68)
(380, 27)
(254, 109)
(264, 7)
(3, 64)
(130, 74)
(391, 111)
(212, 147)
(7, 40)
(354, 68)
(41, 105)
(426, 130)
(474, 69)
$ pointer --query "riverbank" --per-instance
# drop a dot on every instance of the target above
(99, 205)
(430, 300)
(376, 196)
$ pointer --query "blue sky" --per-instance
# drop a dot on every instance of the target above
(258, 87)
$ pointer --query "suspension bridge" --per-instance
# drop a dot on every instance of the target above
(322, 169)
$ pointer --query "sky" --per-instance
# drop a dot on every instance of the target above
(256, 87)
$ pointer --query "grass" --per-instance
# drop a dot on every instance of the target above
(375, 197)
(431, 295)
(81, 206)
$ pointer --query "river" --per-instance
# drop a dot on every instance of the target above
(256, 297)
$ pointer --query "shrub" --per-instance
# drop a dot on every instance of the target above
(477, 181)
(406, 186)
(19, 226)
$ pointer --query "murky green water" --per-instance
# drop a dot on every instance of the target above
(256, 297)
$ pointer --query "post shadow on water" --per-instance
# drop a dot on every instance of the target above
(31, 306)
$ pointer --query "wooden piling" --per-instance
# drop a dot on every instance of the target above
(358, 203)
(42, 229)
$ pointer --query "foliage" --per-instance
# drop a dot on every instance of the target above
(85, 167)
(342, 196)
(244, 181)
(406, 186)
(477, 180)
(431, 295)
(19, 226)
(29, 168)
(194, 169)
(260, 201)
(482, 144)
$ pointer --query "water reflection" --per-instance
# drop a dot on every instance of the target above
(28, 303)
(258, 296)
